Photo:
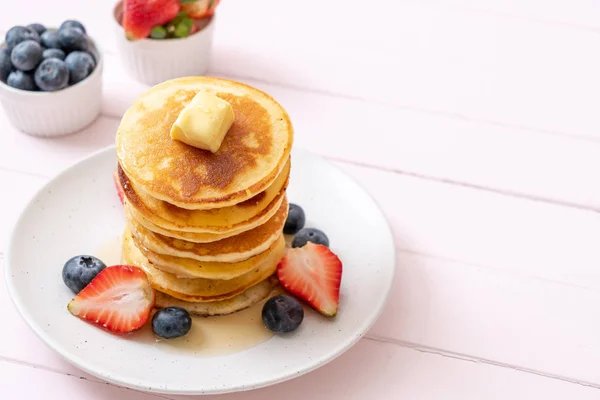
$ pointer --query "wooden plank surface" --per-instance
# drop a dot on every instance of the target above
(391, 372)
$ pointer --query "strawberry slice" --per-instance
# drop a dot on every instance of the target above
(200, 8)
(312, 273)
(140, 16)
(120, 191)
(119, 299)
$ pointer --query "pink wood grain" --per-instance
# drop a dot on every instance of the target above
(478, 65)
(46, 157)
(531, 239)
(19, 381)
(578, 15)
(382, 371)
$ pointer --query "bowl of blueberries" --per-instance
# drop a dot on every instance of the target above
(50, 79)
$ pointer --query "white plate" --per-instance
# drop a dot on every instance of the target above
(78, 211)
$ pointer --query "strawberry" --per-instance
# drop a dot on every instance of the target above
(120, 190)
(199, 8)
(119, 298)
(312, 273)
(140, 16)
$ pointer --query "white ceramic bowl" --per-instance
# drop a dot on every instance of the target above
(51, 114)
(152, 61)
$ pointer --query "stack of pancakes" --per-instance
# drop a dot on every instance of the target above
(207, 228)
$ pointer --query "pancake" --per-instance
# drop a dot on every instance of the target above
(237, 218)
(277, 214)
(200, 290)
(246, 299)
(233, 249)
(192, 269)
(189, 236)
(251, 156)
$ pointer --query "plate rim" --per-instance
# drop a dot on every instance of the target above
(88, 367)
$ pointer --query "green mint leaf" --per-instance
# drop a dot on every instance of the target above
(182, 30)
(178, 18)
(158, 32)
(188, 1)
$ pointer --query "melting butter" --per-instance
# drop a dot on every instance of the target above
(204, 122)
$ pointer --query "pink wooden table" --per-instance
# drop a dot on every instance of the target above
(476, 126)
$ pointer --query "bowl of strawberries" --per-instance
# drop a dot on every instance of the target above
(158, 40)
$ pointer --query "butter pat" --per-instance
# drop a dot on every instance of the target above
(204, 122)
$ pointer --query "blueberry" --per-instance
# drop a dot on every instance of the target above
(295, 220)
(5, 64)
(18, 34)
(80, 64)
(53, 53)
(282, 314)
(79, 271)
(72, 24)
(39, 28)
(310, 235)
(50, 40)
(21, 80)
(26, 55)
(52, 74)
(171, 322)
(72, 39)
